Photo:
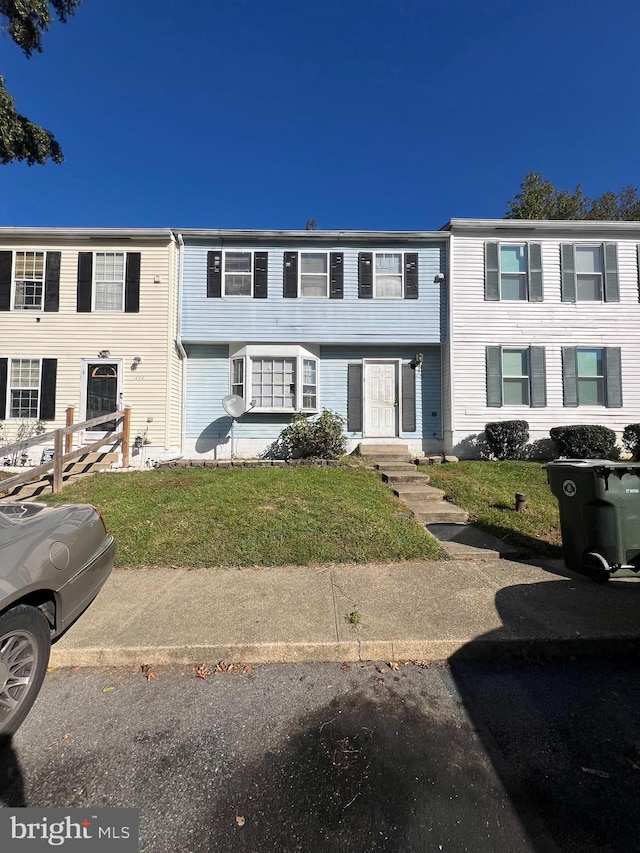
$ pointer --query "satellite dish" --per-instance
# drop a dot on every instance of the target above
(234, 405)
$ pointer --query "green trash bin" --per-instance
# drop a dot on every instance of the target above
(599, 515)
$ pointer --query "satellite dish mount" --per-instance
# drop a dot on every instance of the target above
(235, 407)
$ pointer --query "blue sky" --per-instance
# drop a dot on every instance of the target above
(371, 114)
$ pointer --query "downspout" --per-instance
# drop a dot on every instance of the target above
(179, 345)
(450, 343)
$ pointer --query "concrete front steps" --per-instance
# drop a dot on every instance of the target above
(427, 504)
(83, 466)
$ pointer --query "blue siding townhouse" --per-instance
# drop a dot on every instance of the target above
(300, 321)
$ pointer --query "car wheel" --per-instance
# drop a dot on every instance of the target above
(25, 643)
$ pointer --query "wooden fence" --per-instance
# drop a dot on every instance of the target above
(63, 453)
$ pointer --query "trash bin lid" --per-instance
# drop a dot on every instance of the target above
(592, 463)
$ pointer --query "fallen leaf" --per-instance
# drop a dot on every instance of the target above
(65, 736)
(345, 667)
(601, 773)
(380, 682)
(231, 667)
(51, 668)
(108, 689)
(240, 820)
(146, 671)
(381, 669)
(247, 669)
(394, 665)
(202, 671)
(221, 666)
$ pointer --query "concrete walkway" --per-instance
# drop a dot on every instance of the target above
(408, 611)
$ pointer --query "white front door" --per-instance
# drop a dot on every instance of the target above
(380, 399)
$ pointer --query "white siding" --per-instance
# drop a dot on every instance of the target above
(552, 324)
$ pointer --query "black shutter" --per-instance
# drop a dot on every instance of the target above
(411, 275)
(494, 376)
(214, 275)
(568, 274)
(4, 362)
(538, 377)
(260, 275)
(613, 377)
(290, 284)
(336, 278)
(354, 397)
(491, 273)
(365, 275)
(611, 286)
(132, 283)
(570, 376)
(6, 264)
(408, 399)
(48, 389)
(52, 282)
(85, 276)
(534, 260)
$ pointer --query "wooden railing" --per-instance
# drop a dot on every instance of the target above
(62, 448)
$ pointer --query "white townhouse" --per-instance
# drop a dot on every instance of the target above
(543, 326)
(88, 318)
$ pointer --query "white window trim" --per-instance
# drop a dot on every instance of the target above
(525, 274)
(527, 375)
(313, 252)
(402, 271)
(300, 353)
(94, 283)
(13, 279)
(252, 254)
(11, 359)
(600, 247)
(602, 377)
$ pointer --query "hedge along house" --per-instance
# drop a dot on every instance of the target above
(301, 321)
(89, 319)
(543, 322)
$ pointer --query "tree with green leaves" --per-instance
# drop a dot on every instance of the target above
(540, 199)
(26, 21)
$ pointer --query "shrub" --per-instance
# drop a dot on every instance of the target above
(631, 439)
(322, 438)
(506, 439)
(584, 442)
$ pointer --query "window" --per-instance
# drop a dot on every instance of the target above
(109, 281)
(388, 275)
(238, 273)
(314, 274)
(275, 378)
(589, 270)
(589, 273)
(28, 280)
(591, 379)
(237, 377)
(516, 376)
(24, 388)
(513, 272)
(592, 376)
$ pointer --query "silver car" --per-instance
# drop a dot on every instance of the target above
(53, 562)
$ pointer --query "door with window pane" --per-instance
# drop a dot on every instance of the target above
(102, 393)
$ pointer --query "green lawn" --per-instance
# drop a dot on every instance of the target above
(486, 490)
(252, 516)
